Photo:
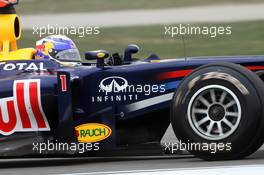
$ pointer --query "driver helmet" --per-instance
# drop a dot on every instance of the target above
(58, 48)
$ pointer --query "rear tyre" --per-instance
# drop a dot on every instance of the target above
(217, 112)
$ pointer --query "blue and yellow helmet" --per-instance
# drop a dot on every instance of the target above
(57, 47)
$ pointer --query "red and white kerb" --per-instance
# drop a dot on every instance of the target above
(23, 112)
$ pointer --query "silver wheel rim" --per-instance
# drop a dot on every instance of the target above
(214, 112)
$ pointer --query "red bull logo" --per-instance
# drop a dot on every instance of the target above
(23, 112)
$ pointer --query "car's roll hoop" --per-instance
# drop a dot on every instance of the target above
(10, 32)
(10, 28)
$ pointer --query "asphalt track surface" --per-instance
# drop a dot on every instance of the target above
(168, 164)
(132, 165)
(219, 13)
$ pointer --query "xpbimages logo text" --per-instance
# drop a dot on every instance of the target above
(187, 29)
(57, 146)
(116, 88)
(80, 31)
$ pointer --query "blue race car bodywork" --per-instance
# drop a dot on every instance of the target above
(41, 100)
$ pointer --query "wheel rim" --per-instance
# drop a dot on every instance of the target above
(214, 112)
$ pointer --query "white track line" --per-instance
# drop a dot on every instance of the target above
(257, 169)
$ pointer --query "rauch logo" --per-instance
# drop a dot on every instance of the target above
(92, 132)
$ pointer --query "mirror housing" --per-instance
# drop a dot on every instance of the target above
(98, 55)
(129, 51)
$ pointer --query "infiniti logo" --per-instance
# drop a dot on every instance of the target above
(113, 84)
(117, 89)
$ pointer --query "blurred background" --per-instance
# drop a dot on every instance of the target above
(247, 34)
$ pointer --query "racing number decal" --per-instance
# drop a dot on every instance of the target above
(63, 83)
(23, 112)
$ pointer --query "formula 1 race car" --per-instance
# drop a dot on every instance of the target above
(210, 101)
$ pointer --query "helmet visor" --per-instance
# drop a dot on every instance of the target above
(69, 55)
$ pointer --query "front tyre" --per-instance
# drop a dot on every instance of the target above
(217, 112)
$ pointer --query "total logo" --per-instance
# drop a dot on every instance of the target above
(24, 66)
(118, 89)
(92, 132)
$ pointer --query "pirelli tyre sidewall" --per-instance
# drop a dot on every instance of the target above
(245, 86)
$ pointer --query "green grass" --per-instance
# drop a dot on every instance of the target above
(67, 6)
(247, 39)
